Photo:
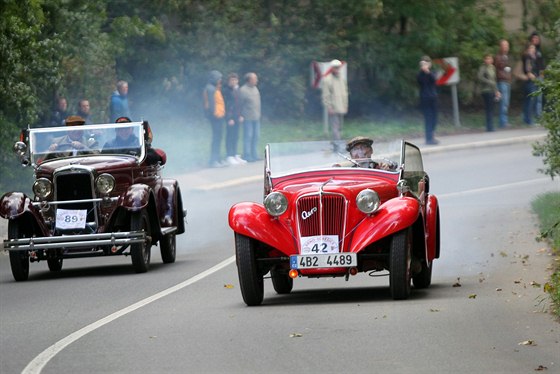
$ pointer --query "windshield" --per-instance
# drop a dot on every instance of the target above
(69, 141)
(286, 158)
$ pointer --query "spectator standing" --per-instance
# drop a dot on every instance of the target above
(250, 100)
(59, 114)
(84, 111)
(503, 74)
(426, 79)
(334, 94)
(233, 119)
(488, 89)
(530, 69)
(214, 109)
(535, 39)
(118, 106)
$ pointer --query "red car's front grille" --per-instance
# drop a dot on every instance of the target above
(321, 215)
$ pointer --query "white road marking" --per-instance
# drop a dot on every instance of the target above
(493, 188)
(39, 362)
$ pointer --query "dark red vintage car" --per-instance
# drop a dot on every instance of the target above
(98, 191)
(321, 218)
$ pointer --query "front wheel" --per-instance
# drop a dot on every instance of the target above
(140, 252)
(399, 265)
(168, 248)
(19, 260)
(281, 282)
(250, 278)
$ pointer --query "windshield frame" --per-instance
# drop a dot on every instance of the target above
(97, 136)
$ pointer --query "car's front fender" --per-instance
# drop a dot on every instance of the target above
(135, 198)
(432, 228)
(393, 216)
(15, 205)
(252, 220)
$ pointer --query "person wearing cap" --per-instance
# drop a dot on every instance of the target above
(426, 79)
(73, 142)
(361, 150)
(334, 94)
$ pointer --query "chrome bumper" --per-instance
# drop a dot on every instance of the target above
(75, 241)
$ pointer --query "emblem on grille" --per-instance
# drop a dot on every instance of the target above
(306, 214)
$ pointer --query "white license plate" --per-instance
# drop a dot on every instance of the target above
(71, 219)
(319, 244)
(335, 260)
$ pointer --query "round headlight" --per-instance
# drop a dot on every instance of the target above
(42, 188)
(276, 203)
(368, 201)
(105, 183)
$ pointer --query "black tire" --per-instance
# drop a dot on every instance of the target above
(400, 257)
(141, 252)
(424, 278)
(19, 261)
(168, 248)
(55, 264)
(281, 282)
(250, 278)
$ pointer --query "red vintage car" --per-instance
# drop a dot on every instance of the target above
(324, 215)
(98, 191)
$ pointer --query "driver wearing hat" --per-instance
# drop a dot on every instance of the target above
(360, 149)
(73, 142)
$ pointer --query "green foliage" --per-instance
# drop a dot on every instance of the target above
(549, 149)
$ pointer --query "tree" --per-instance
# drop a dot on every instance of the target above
(549, 149)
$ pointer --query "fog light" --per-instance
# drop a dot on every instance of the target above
(293, 273)
(353, 271)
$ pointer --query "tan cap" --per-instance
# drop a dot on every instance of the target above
(358, 140)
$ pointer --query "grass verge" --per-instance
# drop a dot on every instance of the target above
(547, 207)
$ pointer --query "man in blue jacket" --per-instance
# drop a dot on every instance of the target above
(119, 102)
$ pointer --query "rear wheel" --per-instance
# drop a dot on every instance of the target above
(250, 278)
(399, 263)
(19, 260)
(140, 252)
(168, 248)
(55, 264)
(281, 282)
(424, 278)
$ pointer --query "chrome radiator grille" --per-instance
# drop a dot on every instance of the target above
(323, 214)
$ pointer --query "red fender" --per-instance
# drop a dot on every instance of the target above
(393, 216)
(135, 198)
(432, 228)
(17, 204)
(252, 220)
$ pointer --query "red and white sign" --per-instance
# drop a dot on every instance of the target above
(322, 69)
(447, 71)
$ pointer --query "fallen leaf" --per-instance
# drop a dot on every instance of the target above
(527, 342)
(516, 282)
(548, 287)
(434, 310)
(541, 368)
(457, 284)
(472, 296)
(535, 284)
(498, 289)
(295, 335)
(503, 254)
(228, 285)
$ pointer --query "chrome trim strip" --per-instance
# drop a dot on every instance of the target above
(75, 241)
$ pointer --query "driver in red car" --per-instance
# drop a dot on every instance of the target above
(360, 150)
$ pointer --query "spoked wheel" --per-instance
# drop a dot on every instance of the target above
(19, 260)
(140, 252)
(399, 262)
(281, 282)
(250, 278)
(167, 246)
(55, 264)
(424, 278)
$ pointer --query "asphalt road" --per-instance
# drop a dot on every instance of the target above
(484, 312)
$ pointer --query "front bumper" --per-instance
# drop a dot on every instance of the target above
(75, 241)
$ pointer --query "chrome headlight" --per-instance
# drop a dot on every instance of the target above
(105, 183)
(42, 188)
(276, 203)
(368, 201)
